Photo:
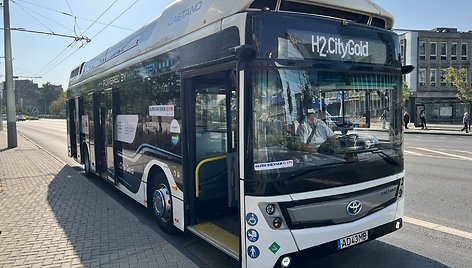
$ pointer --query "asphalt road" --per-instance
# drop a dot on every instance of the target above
(438, 207)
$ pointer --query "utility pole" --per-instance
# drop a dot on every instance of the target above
(1, 106)
(9, 88)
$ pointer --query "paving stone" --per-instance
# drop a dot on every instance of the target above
(52, 216)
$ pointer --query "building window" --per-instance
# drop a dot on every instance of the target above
(422, 50)
(443, 51)
(402, 51)
(464, 51)
(443, 77)
(422, 77)
(454, 51)
(433, 50)
(432, 77)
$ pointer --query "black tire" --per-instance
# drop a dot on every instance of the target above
(161, 204)
(87, 167)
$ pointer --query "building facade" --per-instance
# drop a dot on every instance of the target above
(432, 52)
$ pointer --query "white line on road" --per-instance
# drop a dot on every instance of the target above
(432, 156)
(437, 227)
(414, 153)
(443, 153)
(465, 152)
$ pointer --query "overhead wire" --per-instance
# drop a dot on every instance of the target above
(75, 18)
(71, 15)
(25, 9)
(116, 18)
(103, 13)
(46, 70)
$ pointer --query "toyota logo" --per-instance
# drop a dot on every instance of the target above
(354, 207)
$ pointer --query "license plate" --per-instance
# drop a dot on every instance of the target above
(353, 239)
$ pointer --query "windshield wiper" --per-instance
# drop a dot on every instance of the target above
(382, 154)
(386, 157)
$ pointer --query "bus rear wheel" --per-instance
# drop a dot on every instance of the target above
(161, 204)
(87, 167)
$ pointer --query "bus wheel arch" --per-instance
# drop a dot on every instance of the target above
(160, 199)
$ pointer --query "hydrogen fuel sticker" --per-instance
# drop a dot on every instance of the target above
(251, 219)
(253, 252)
(175, 127)
(274, 247)
(273, 165)
(252, 235)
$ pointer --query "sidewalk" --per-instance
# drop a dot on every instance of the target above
(438, 129)
(52, 216)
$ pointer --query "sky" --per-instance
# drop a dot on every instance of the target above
(45, 58)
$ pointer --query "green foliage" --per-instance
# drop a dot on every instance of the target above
(58, 106)
(405, 91)
(49, 93)
(458, 77)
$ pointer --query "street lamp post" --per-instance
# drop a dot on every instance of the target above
(11, 108)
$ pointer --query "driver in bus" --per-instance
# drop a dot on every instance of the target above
(314, 131)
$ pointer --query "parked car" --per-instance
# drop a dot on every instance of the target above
(20, 117)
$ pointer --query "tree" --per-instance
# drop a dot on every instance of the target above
(49, 93)
(458, 78)
(405, 92)
(58, 106)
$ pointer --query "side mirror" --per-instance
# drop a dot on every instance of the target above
(407, 69)
(244, 52)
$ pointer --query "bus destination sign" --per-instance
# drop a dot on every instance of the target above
(325, 45)
(334, 47)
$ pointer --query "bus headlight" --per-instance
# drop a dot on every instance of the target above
(401, 187)
(270, 209)
(277, 223)
(286, 261)
(273, 215)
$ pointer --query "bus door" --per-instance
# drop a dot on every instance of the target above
(212, 167)
(109, 109)
(99, 115)
(79, 133)
(214, 137)
(71, 131)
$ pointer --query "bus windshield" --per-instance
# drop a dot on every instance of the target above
(309, 119)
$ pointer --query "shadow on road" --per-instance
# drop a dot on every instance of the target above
(105, 233)
(373, 254)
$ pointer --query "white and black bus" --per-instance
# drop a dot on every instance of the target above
(199, 115)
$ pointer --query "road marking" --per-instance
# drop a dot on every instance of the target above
(443, 153)
(414, 153)
(432, 156)
(437, 227)
(465, 152)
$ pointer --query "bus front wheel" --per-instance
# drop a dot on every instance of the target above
(161, 204)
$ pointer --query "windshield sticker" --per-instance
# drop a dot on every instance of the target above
(161, 110)
(273, 165)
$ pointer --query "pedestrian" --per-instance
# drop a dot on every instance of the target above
(423, 120)
(383, 118)
(406, 119)
(465, 122)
